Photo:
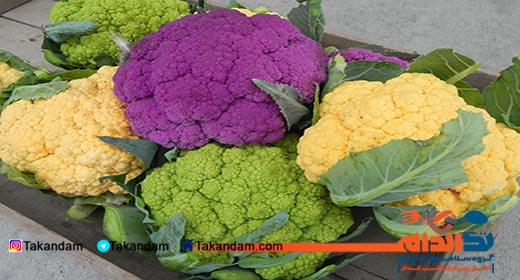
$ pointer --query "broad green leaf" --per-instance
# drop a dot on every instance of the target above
(255, 262)
(234, 274)
(381, 71)
(471, 95)
(322, 273)
(271, 225)
(171, 233)
(141, 206)
(309, 19)
(124, 224)
(33, 92)
(336, 73)
(288, 100)
(402, 168)
(446, 64)
(24, 178)
(502, 97)
(142, 149)
(60, 32)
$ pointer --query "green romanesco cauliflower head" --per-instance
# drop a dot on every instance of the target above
(131, 18)
(225, 192)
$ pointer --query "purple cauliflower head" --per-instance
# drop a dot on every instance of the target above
(355, 54)
(191, 82)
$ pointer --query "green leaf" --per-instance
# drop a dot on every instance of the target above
(124, 224)
(322, 273)
(81, 211)
(104, 59)
(502, 96)
(316, 106)
(255, 262)
(309, 19)
(471, 95)
(446, 64)
(16, 62)
(24, 178)
(172, 154)
(234, 4)
(60, 32)
(402, 168)
(53, 54)
(359, 230)
(389, 218)
(341, 260)
(142, 149)
(33, 92)
(73, 74)
(84, 206)
(234, 274)
(271, 225)
(288, 100)
(171, 233)
(336, 73)
(381, 71)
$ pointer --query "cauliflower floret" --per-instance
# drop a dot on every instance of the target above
(56, 138)
(192, 81)
(226, 192)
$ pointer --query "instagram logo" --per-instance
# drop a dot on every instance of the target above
(15, 245)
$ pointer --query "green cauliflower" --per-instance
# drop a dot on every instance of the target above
(225, 192)
(131, 18)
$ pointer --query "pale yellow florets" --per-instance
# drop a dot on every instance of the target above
(8, 75)
(56, 138)
(361, 115)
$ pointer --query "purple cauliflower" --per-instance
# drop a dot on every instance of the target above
(191, 82)
(355, 54)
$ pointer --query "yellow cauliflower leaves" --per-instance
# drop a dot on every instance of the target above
(56, 138)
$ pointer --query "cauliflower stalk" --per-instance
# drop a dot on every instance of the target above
(226, 192)
(56, 138)
(132, 19)
(192, 81)
(358, 147)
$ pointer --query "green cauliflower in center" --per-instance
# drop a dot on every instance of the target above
(225, 192)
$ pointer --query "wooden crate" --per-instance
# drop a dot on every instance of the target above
(44, 217)
(6, 5)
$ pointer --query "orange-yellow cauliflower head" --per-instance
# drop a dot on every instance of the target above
(56, 138)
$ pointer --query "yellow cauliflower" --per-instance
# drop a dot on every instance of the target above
(360, 115)
(56, 138)
(8, 75)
